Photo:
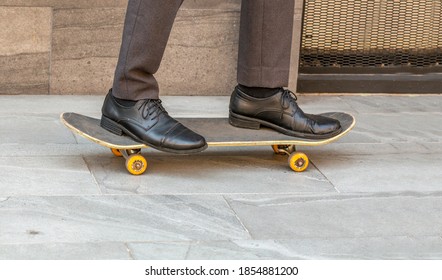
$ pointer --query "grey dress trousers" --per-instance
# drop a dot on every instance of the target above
(264, 45)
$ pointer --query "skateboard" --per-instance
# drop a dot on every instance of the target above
(217, 131)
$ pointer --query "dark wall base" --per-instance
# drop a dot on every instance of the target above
(370, 83)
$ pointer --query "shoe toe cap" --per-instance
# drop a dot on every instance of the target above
(182, 138)
(324, 125)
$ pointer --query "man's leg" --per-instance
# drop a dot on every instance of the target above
(146, 32)
(263, 71)
(265, 43)
(132, 106)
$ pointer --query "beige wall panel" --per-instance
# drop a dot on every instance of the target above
(25, 30)
(85, 48)
(76, 44)
(64, 3)
(24, 74)
(25, 42)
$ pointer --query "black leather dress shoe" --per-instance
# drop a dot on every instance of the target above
(281, 113)
(149, 123)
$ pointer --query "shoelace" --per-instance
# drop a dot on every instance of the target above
(288, 98)
(150, 107)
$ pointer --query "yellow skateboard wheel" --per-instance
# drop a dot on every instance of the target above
(298, 162)
(116, 152)
(136, 164)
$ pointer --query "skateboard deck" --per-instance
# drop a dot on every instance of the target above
(217, 131)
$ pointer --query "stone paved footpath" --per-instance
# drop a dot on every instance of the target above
(375, 194)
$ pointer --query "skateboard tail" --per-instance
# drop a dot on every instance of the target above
(111, 126)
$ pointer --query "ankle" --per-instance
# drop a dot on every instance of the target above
(125, 102)
(258, 92)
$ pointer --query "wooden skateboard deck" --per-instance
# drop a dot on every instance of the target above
(217, 131)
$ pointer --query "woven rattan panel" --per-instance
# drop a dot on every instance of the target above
(372, 33)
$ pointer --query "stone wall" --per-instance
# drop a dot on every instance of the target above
(71, 47)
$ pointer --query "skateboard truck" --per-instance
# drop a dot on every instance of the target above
(298, 161)
(136, 164)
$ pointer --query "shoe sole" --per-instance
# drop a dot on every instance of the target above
(251, 123)
(120, 130)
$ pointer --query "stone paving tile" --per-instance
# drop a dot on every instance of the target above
(433, 147)
(401, 172)
(178, 106)
(393, 128)
(197, 106)
(50, 104)
(36, 129)
(315, 104)
(65, 251)
(394, 104)
(64, 219)
(51, 150)
(347, 147)
(217, 106)
(222, 173)
(338, 216)
(396, 247)
(49, 176)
